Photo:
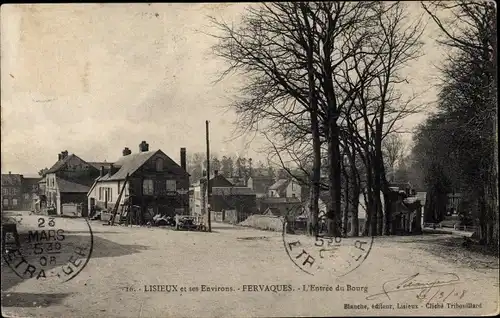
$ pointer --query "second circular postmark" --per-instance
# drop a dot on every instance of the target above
(50, 248)
(322, 253)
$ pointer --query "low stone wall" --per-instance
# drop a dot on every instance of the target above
(264, 222)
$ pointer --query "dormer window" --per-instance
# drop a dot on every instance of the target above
(159, 164)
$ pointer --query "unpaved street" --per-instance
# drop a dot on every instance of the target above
(141, 259)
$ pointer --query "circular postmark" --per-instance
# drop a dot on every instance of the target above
(337, 255)
(47, 248)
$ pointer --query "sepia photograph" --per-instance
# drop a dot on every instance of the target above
(252, 159)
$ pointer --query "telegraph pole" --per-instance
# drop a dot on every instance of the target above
(209, 187)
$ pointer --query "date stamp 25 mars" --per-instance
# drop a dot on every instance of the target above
(49, 250)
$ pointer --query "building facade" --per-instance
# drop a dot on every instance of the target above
(152, 184)
(285, 188)
(12, 188)
(68, 181)
(260, 185)
(31, 193)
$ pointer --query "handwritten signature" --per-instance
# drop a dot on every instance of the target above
(423, 284)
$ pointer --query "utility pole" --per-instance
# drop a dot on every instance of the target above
(209, 187)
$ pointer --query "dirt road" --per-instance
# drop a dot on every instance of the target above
(132, 272)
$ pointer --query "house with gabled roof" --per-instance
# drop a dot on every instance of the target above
(285, 188)
(260, 184)
(152, 184)
(68, 181)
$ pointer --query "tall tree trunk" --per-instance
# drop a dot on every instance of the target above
(379, 170)
(354, 186)
(387, 203)
(375, 199)
(354, 206)
(347, 200)
(313, 105)
(494, 176)
(334, 175)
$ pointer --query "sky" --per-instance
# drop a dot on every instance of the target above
(95, 78)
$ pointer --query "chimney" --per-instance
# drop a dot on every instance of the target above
(64, 154)
(183, 159)
(59, 157)
(111, 169)
(101, 173)
(143, 146)
(10, 172)
(126, 151)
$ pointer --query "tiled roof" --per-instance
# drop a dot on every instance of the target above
(71, 187)
(279, 185)
(232, 191)
(261, 183)
(11, 179)
(130, 163)
(29, 182)
(98, 165)
(272, 211)
(220, 181)
(59, 164)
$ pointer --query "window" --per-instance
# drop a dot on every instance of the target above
(5, 202)
(159, 164)
(5, 191)
(109, 194)
(14, 202)
(147, 187)
(105, 194)
(171, 185)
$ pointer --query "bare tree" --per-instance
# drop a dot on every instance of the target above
(471, 30)
(320, 79)
(378, 106)
(393, 149)
(273, 47)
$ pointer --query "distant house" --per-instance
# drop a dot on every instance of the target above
(260, 184)
(406, 214)
(280, 206)
(68, 181)
(240, 199)
(198, 191)
(401, 186)
(31, 192)
(285, 188)
(156, 184)
(237, 181)
(192, 201)
(219, 180)
(12, 189)
(324, 202)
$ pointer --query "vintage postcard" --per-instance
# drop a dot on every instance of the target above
(287, 159)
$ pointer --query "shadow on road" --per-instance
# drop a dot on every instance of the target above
(32, 299)
(452, 249)
(101, 248)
